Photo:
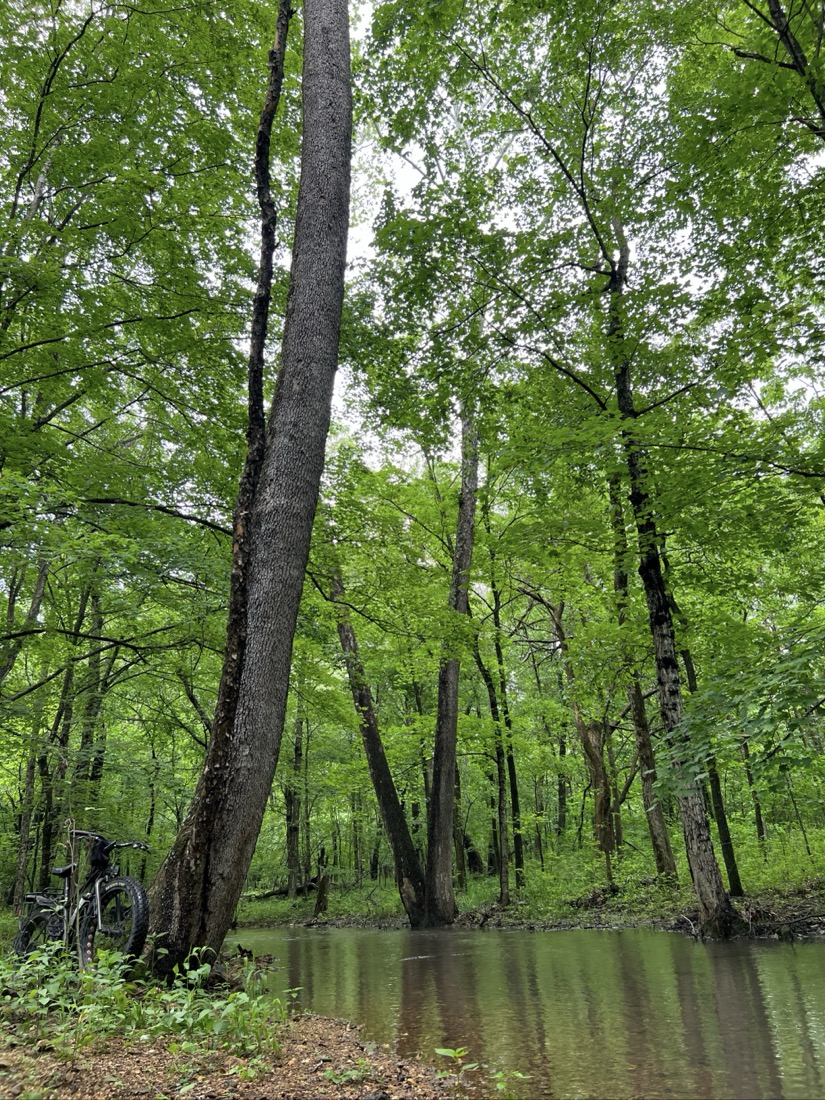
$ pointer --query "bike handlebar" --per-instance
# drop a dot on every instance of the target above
(110, 845)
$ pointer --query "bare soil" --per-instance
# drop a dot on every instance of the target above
(321, 1059)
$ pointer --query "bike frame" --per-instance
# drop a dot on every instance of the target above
(87, 894)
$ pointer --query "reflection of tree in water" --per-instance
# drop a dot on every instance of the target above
(642, 1010)
(701, 1051)
(526, 994)
(439, 995)
(748, 1053)
(813, 1048)
(795, 1012)
(596, 1014)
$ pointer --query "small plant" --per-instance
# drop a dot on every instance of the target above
(46, 998)
(357, 1074)
(501, 1078)
(458, 1055)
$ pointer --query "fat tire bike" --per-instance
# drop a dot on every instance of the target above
(108, 911)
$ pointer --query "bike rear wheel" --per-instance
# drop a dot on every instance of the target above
(40, 929)
(123, 924)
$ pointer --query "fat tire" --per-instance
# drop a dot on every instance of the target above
(124, 909)
(33, 935)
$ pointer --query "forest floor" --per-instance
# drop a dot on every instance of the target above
(320, 1059)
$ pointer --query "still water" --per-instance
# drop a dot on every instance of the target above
(586, 1014)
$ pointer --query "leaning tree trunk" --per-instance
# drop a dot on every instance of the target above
(717, 915)
(195, 893)
(409, 877)
(441, 906)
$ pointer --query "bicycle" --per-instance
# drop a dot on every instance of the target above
(107, 907)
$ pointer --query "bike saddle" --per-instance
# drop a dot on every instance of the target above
(64, 872)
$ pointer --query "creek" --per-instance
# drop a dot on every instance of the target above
(584, 1013)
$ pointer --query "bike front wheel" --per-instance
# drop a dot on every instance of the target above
(40, 929)
(121, 924)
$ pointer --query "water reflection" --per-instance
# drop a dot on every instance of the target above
(586, 1014)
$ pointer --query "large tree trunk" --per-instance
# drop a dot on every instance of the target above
(408, 874)
(196, 890)
(716, 913)
(441, 906)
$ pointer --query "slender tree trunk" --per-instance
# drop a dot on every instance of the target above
(757, 805)
(292, 807)
(194, 895)
(493, 848)
(306, 838)
(503, 838)
(25, 841)
(561, 788)
(656, 824)
(440, 904)
(716, 913)
(459, 854)
(408, 874)
(591, 736)
(11, 650)
(53, 759)
(512, 776)
(654, 815)
(616, 798)
(541, 816)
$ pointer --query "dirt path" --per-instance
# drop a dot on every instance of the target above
(321, 1059)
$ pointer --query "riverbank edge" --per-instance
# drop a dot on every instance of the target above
(797, 916)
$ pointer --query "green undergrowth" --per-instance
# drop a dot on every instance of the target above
(46, 1001)
(573, 888)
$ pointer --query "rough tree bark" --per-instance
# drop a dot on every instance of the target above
(440, 904)
(194, 895)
